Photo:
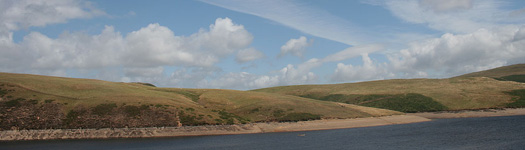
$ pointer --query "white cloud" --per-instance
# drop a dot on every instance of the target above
(447, 5)
(452, 54)
(16, 14)
(156, 45)
(151, 46)
(301, 74)
(223, 38)
(141, 55)
(249, 54)
(144, 72)
(241, 80)
(454, 16)
(295, 46)
(368, 71)
(301, 17)
(289, 75)
(352, 52)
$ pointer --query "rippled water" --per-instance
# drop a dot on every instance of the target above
(466, 133)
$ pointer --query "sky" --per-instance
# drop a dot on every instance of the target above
(250, 44)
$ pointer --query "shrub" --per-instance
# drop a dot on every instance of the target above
(230, 117)
(132, 111)
(13, 103)
(104, 109)
(516, 78)
(408, 103)
(3, 92)
(411, 102)
(294, 117)
(278, 113)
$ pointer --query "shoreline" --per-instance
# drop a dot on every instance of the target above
(324, 124)
(491, 112)
(105, 133)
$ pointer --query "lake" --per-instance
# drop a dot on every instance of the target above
(464, 133)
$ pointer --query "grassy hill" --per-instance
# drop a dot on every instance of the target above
(39, 102)
(506, 73)
(413, 95)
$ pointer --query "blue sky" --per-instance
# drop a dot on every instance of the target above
(241, 44)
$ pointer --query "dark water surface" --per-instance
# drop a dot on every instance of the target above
(465, 133)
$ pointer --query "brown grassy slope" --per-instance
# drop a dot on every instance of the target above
(454, 93)
(518, 69)
(210, 106)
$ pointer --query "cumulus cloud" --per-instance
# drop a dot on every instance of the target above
(295, 46)
(289, 75)
(300, 74)
(249, 54)
(150, 46)
(455, 54)
(368, 71)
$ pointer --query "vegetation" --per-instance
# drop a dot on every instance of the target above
(518, 69)
(515, 78)
(14, 103)
(231, 118)
(2, 92)
(86, 103)
(407, 103)
(146, 84)
(104, 109)
(94, 103)
(472, 91)
(410, 102)
(518, 100)
(294, 117)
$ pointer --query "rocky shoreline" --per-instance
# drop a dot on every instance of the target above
(325, 124)
(49, 134)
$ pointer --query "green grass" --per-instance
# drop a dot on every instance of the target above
(517, 69)
(516, 78)
(410, 102)
(518, 100)
(407, 103)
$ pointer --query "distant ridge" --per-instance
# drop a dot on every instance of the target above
(517, 69)
(477, 90)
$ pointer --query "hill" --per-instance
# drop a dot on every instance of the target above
(506, 73)
(42, 102)
(416, 95)
(517, 69)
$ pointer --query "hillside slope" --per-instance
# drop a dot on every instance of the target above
(414, 95)
(39, 102)
(517, 69)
